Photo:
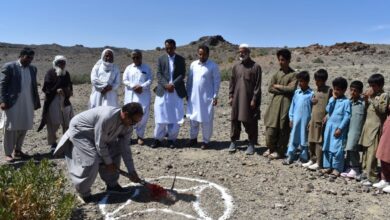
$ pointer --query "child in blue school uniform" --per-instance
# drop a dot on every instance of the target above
(336, 128)
(299, 115)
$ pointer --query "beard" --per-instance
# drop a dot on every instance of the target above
(59, 71)
(244, 57)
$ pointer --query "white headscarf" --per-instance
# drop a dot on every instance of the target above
(106, 65)
(59, 71)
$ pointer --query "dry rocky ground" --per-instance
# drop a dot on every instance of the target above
(259, 188)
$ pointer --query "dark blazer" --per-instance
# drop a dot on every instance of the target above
(163, 75)
(10, 84)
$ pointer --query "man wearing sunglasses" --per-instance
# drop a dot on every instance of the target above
(95, 142)
(18, 100)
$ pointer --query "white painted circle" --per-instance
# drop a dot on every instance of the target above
(204, 184)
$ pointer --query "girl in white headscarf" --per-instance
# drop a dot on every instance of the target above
(105, 79)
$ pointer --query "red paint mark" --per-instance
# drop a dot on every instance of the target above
(156, 191)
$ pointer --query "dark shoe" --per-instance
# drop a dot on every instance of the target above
(140, 141)
(53, 148)
(85, 199)
(117, 189)
(232, 147)
(192, 143)
(250, 150)
(287, 161)
(156, 144)
(19, 155)
(204, 146)
(171, 144)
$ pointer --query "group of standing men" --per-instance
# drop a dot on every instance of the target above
(93, 140)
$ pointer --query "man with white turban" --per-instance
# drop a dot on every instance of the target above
(105, 79)
(57, 109)
(137, 79)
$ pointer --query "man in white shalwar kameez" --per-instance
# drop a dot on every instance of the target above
(202, 89)
(137, 79)
(170, 91)
(95, 142)
(105, 79)
(18, 100)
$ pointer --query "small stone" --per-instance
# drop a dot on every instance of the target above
(350, 200)
(169, 166)
(366, 189)
(312, 178)
(263, 180)
(331, 179)
(200, 173)
(279, 206)
(344, 193)
(237, 176)
(221, 178)
(333, 192)
(243, 163)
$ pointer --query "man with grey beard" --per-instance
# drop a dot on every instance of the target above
(57, 109)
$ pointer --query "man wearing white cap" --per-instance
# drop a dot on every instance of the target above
(57, 109)
(245, 98)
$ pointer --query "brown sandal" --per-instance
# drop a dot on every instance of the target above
(19, 155)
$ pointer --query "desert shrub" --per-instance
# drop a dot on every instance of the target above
(318, 60)
(226, 74)
(35, 191)
(262, 52)
(231, 59)
(81, 79)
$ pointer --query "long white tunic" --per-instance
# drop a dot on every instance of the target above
(169, 108)
(202, 87)
(137, 75)
(21, 115)
(100, 79)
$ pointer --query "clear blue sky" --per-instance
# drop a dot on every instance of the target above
(145, 24)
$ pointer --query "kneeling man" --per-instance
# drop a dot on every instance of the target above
(95, 142)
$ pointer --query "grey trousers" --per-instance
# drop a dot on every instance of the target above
(83, 177)
(13, 140)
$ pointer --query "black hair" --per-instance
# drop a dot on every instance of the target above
(357, 85)
(340, 82)
(321, 74)
(133, 108)
(170, 41)
(304, 75)
(204, 48)
(376, 79)
(286, 54)
(26, 51)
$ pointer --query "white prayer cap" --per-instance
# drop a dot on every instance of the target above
(59, 58)
(244, 46)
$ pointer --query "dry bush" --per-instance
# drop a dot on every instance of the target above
(35, 191)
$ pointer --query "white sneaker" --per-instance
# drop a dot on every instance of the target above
(307, 164)
(366, 183)
(313, 166)
(353, 173)
(386, 189)
(345, 174)
(381, 184)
